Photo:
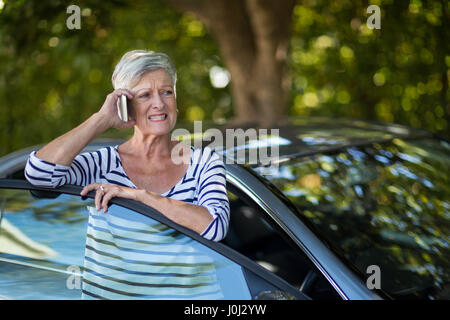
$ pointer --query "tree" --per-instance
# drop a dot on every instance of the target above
(53, 78)
(303, 57)
(253, 38)
(399, 73)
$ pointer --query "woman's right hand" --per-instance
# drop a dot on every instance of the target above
(109, 109)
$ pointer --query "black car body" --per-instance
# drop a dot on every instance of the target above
(349, 210)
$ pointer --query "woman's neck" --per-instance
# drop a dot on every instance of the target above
(150, 146)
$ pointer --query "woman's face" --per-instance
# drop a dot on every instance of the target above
(154, 106)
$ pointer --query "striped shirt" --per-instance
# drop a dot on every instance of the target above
(129, 255)
(203, 184)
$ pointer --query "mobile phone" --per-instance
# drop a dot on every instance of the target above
(122, 108)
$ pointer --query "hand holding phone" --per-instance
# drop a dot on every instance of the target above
(122, 108)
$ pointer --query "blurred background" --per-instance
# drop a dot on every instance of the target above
(253, 60)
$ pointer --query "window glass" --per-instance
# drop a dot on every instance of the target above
(251, 235)
(386, 205)
(129, 255)
(62, 248)
(39, 240)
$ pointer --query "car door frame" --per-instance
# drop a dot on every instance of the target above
(245, 263)
(346, 283)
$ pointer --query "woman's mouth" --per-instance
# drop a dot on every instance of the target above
(158, 117)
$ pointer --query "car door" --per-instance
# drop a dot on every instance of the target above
(256, 235)
(327, 277)
(54, 245)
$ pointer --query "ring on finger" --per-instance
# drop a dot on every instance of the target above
(102, 188)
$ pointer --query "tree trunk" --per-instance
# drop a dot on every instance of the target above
(253, 38)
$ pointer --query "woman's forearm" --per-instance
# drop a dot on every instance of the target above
(65, 148)
(196, 218)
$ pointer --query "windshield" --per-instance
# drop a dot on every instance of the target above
(385, 205)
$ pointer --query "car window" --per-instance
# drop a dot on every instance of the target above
(64, 248)
(131, 255)
(384, 205)
(251, 234)
(39, 240)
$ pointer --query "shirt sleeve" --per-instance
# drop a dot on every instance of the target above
(84, 170)
(212, 194)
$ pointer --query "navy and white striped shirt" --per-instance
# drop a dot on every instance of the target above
(203, 184)
(130, 256)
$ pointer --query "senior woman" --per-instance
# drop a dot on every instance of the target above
(191, 193)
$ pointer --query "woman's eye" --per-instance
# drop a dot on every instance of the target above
(145, 95)
(168, 92)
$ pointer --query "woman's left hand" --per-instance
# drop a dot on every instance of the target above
(105, 192)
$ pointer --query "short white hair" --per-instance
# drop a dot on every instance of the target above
(134, 64)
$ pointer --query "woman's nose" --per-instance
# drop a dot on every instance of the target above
(157, 102)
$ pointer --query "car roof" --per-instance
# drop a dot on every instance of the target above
(296, 137)
(301, 136)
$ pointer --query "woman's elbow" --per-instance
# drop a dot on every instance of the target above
(40, 180)
(216, 231)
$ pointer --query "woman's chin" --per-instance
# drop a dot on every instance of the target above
(157, 130)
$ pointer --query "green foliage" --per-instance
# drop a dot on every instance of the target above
(53, 78)
(398, 73)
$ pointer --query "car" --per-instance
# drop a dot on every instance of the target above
(348, 210)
